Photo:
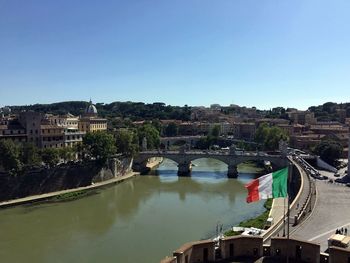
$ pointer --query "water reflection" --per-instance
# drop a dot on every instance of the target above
(152, 215)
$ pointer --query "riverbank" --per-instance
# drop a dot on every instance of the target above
(256, 222)
(154, 162)
(69, 192)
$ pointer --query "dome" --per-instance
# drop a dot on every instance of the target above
(6, 110)
(91, 109)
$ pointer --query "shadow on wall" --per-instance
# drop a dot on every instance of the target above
(67, 176)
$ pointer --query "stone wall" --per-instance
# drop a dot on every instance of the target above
(250, 248)
(200, 251)
(337, 255)
(241, 246)
(65, 176)
(298, 250)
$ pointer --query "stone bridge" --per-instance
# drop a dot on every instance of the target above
(191, 141)
(184, 159)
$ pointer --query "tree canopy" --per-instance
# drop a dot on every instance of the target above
(99, 145)
(151, 134)
(127, 142)
(10, 155)
(50, 156)
(269, 137)
(329, 151)
(171, 130)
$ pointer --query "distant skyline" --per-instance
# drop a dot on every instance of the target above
(196, 52)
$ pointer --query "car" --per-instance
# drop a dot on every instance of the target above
(336, 174)
(348, 184)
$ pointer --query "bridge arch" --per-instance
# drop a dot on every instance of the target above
(184, 159)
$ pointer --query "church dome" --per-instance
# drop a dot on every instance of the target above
(91, 109)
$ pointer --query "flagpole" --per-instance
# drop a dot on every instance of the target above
(290, 170)
(284, 217)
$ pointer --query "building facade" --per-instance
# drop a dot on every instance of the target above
(90, 122)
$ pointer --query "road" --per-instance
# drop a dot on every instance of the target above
(331, 211)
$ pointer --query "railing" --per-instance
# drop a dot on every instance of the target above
(308, 202)
(224, 153)
(277, 226)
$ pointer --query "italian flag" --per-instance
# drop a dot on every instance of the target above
(272, 185)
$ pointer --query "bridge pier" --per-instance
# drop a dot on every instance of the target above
(141, 167)
(185, 169)
(232, 171)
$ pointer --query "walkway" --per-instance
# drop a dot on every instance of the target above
(278, 206)
(35, 198)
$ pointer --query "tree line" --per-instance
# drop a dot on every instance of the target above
(131, 110)
(98, 146)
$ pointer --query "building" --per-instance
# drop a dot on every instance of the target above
(328, 128)
(51, 136)
(13, 130)
(40, 131)
(244, 130)
(31, 121)
(302, 117)
(90, 122)
(70, 125)
(305, 141)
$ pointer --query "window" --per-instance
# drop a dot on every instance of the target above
(205, 254)
(231, 250)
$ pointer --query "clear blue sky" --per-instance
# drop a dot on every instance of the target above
(262, 53)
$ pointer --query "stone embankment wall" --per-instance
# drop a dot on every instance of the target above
(65, 176)
(234, 249)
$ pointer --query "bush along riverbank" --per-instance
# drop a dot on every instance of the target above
(257, 222)
(72, 196)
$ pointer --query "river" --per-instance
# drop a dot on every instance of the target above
(140, 220)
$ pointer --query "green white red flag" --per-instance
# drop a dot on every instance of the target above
(271, 185)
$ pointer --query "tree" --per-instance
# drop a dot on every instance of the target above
(99, 145)
(274, 136)
(30, 155)
(329, 151)
(215, 131)
(203, 143)
(171, 130)
(66, 153)
(10, 156)
(270, 137)
(261, 133)
(127, 142)
(50, 156)
(149, 132)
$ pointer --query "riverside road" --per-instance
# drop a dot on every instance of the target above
(331, 212)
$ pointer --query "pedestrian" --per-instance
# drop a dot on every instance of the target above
(346, 231)
(297, 206)
(342, 230)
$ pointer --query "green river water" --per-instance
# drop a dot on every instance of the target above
(140, 220)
